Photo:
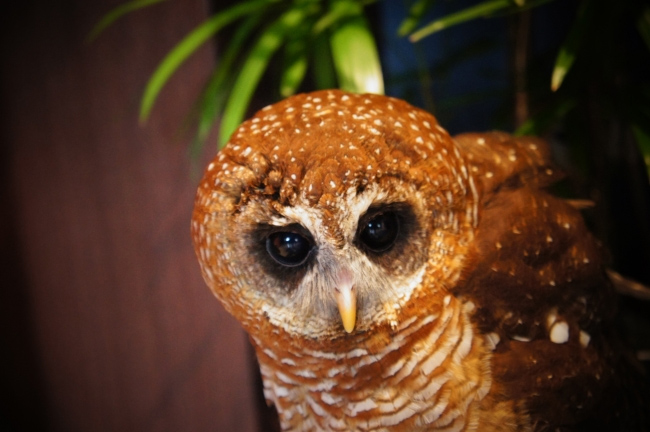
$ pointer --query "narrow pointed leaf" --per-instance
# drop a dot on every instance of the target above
(115, 14)
(541, 122)
(480, 10)
(252, 71)
(189, 45)
(295, 61)
(567, 54)
(322, 67)
(415, 14)
(355, 57)
(338, 10)
(215, 92)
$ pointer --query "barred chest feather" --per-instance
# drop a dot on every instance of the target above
(429, 373)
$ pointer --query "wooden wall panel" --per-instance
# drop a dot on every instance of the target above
(126, 335)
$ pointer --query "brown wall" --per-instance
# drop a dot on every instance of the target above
(106, 321)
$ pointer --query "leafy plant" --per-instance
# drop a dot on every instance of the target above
(334, 35)
(332, 42)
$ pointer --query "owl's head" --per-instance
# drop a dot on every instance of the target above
(326, 213)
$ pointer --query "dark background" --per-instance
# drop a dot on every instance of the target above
(105, 322)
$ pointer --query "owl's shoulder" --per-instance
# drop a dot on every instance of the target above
(546, 305)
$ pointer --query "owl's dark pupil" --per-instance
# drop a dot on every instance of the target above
(288, 248)
(380, 232)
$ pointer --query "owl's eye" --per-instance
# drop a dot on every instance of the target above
(289, 249)
(380, 232)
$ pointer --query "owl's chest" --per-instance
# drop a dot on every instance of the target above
(430, 372)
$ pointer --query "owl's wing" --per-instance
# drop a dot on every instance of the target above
(538, 278)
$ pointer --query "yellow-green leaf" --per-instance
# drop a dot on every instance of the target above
(214, 93)
(567, 54)
(322, 67)
(252, 71)
(415, 14)
(480, 10)
(542, 121)
(116, 14)
(339, 9)
(188, 45)
(355, 57)
(295, 63)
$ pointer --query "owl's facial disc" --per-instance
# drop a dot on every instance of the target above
(341, 273)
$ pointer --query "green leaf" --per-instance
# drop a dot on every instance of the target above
(214, 93)
(252, 71)
(415, 14)
(480, 10)
(188, 45)
(322, 66)
(537, 124)
(295, 61)
(338, 10)
(567, 54)
(116, 14)
(643, 26)
(355, 57)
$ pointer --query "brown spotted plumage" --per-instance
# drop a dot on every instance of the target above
(392, 277)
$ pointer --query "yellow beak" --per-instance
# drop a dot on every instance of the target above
(346, 300)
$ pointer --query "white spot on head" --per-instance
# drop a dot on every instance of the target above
(559, 332)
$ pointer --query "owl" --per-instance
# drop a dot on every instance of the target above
(392, 277)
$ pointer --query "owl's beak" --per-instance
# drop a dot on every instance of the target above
(346, 300)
